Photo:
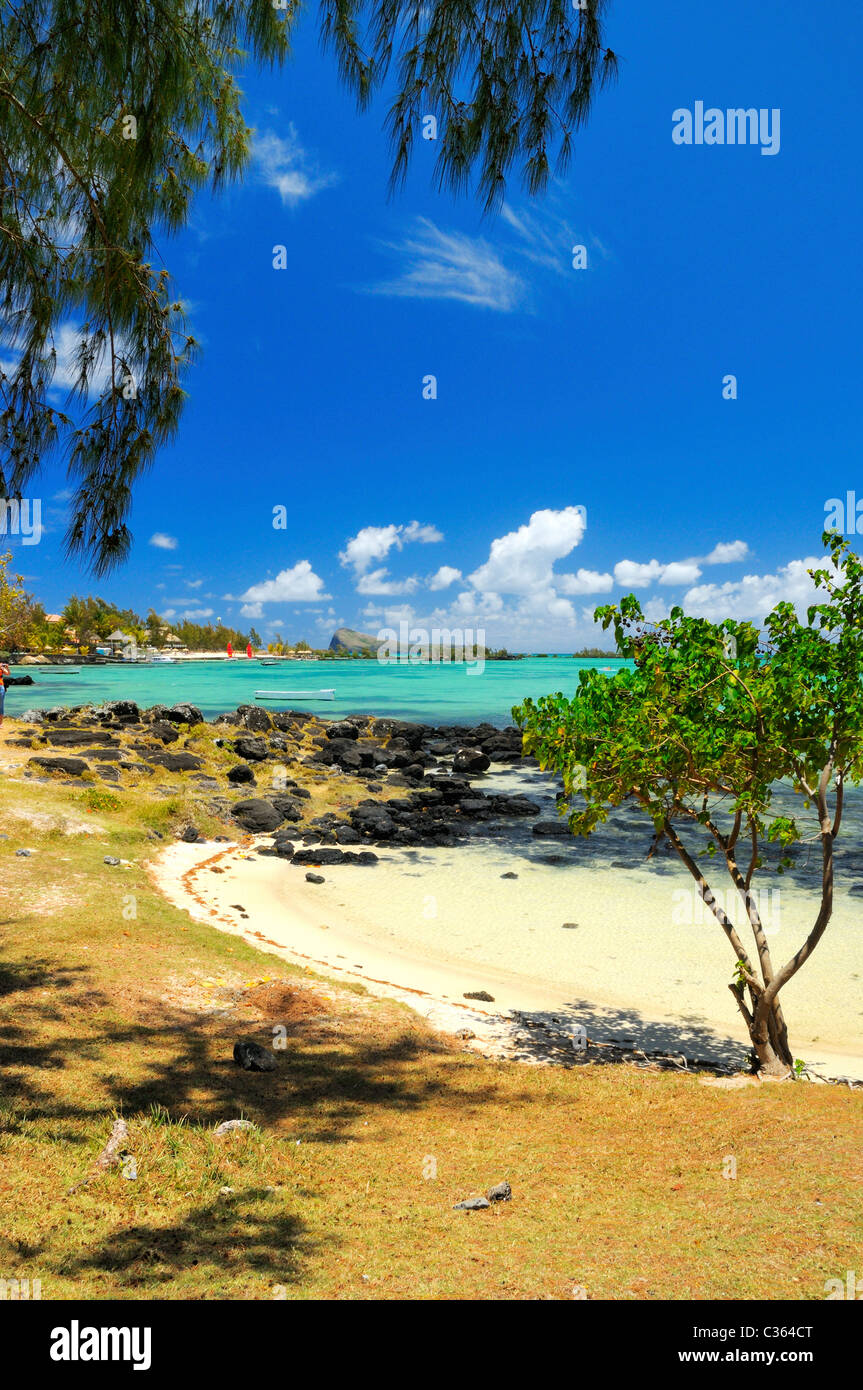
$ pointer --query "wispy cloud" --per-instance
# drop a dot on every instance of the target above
(537, 242)
(283, 164)
(451, 265)
(163, 542)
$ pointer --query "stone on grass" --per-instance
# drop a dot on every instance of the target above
(472, 1204)
(72, 767)
(252, 1057)
(228, 1125)
(253, 750)
(501, 1193)
(184, 714)
(175, 762)
(241, 773)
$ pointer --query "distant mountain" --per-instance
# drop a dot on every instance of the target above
(345, 639)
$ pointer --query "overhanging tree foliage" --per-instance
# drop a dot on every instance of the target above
(700, 732)
(113, 116)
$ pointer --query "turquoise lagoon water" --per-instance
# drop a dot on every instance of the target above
(439, 694)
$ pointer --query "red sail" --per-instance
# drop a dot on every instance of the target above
(249, 650)
(230, 650)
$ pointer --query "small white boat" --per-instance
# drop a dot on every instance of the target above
(295, 694)
(268, 660)
(163, 660)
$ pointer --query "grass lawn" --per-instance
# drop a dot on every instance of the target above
(371, 1128)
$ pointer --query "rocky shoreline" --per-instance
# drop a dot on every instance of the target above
(430, 769)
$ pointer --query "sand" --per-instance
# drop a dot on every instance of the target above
(430, 926)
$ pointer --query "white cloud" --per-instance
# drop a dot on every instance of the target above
(193, 583)
(379, 582)
(163, 542)
(450, 265)
(299, 584)
(389, 616)
(420, 531)
(726, 552)
(630, 574)
(285, 166)
(680, 572)
(754, 595)
(584, 582)
(521, 561)
(375, 543)
(189, 615)
(443, 577)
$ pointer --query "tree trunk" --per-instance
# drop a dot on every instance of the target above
(770, 1041)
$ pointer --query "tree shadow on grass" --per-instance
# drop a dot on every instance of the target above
(230, 1235)
(184, 1061)
(26, 1050)
(330, 1077)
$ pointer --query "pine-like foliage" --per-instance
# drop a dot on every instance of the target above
(113, 115)
(509, 80)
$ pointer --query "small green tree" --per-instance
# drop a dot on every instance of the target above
(16, 607)
(700, 732)
(154, 625)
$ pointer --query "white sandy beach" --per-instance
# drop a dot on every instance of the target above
(430, 925)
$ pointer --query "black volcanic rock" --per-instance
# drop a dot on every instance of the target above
(164, 731)
(73, 767)
(326, 856)
(254, 718)
(175, 762)
(256, 815)
(342, 728)
(240, 773)
(470, 760)
(76, 738)
(251, 749)
(551, 830)
(125, 710)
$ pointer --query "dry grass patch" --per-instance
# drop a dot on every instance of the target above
(366, 1134)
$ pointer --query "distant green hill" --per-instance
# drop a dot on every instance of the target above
(345, 639)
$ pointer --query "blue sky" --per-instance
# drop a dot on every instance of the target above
(557, 388)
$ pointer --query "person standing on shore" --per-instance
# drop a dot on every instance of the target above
(4, 674)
